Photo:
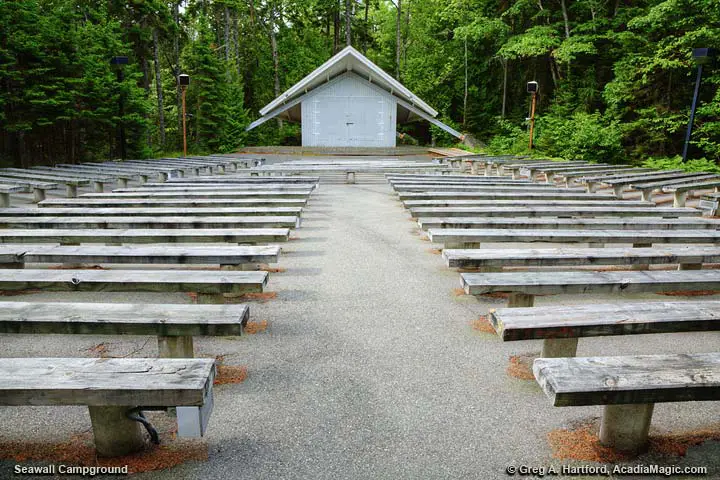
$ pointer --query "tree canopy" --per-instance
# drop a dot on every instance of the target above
(616, 76)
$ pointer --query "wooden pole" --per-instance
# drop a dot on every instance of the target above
(184, 90)
(532, 119)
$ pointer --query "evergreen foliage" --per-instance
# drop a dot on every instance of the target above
(616, 76)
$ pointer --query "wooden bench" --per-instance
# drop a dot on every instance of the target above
(618, 183)
(230, 257)
(121, 176)
(610, 223)
(629, 387)
(204, 187)
(236, 179)
(98, 181)
(560, 327)
(143, 171)
(687, 258)
(520, 202)
(172, 202)
(154, 211)
(523, 286)
(130, 222)
(38, 188)
(151, 235)
(648, 188)
(564, 211)
(519, 194)
(472, 238)
(182, 168)
(680, 192)
(192, 195)
(71, 184)
(710, 203)
(210, 286)
(174, 325)
(116, 390)
(6, 190)
(570, 176)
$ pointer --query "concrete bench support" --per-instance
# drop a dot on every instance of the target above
(4, 199)
(38, 194)
(115, 434)
(122, 182)
(71, 191)
(98, 187)
(176, 347)
(517, 300)
(350, 177)
(679, 198)
(625, 427)
(559, 347)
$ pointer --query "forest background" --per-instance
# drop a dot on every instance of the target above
(616, 76)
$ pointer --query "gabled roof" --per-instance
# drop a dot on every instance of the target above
(348, 59)
(350, 62)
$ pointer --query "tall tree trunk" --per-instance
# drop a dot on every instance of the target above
(276, 61)
(348, 36)
(158, 87)
(227, 34)
(367, 30)
(176, 68)
(398, 39)
(336, 27)
(565, 18)
(504, 95)
(465, 96)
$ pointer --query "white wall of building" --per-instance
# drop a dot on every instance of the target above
(349, 112)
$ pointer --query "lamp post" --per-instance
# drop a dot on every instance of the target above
(184, 81)
(701, 56)
(119, 62)
(532, 88)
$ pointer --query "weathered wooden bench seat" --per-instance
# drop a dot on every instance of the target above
(242, 256)
(417, 191)
(71, 184)
(130, 222)
(143, 171)
(174, 325)
(609, 223)
(563, 211)
(687, 258)
(523, 286)
(39, 188)
(619, 183)
(238, 179)
(204, 187)
(151, 235)
(97, 180)
(444, 197)
(472, 238)
(560, 327)
(629, 387)
(208, 284)
(172, 202)
(191, 195)
(680, 192)
(648, 188)
(115, 390)
(121, 177)
(154, 211)
(6, 190)
(520, 201)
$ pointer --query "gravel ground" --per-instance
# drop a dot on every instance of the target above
(370, 367)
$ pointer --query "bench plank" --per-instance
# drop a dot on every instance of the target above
(623, 223)
(171, 203)
(153, 211)
(520, 201)
(104, 381)
(148, 222)
(217, 194)
(152, 235)
(132, 254)
(519, 195)
(540, 283)
(572, 321)
(552, 257)
(561, 236)
(627, 380)
(122, 319)
(564, 211)
(200, 281)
